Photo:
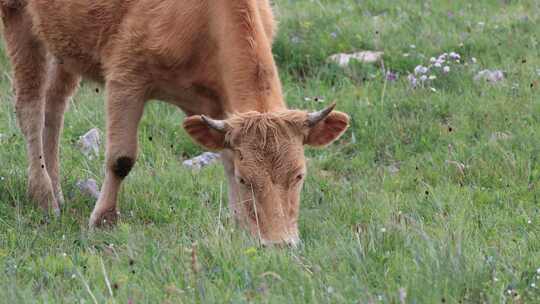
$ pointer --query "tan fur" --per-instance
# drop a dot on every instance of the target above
(206, 57)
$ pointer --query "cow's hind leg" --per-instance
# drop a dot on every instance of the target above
(61, 85)
(124, 110)
(29, 63)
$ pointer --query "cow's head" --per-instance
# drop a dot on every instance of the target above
(263, 155)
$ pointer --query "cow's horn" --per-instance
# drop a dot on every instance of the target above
(218, 125)
(316, 117)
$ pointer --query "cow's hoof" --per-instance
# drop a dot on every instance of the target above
(104, 219)
(59, 197)
(41, 192)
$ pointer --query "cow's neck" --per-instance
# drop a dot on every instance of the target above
(250, 76)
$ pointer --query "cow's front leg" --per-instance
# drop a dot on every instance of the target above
(124, 110)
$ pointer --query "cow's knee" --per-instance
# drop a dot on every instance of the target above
(122, 166)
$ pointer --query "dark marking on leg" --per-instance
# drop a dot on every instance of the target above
(122, 166)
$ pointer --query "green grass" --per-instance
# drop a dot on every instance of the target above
(383, 209)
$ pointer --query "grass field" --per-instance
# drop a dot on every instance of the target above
(432, 195)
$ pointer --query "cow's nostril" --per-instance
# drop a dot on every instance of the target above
(293, 242)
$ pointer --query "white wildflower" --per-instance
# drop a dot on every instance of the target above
(446, 69)
(473, 60)
(383, 230)
(432, 77)
(412, 46)
(423, 78)
(205, 159)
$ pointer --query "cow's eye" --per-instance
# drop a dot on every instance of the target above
(299, 177)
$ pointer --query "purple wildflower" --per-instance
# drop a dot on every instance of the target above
(391, 76)
(412, 80)
(455, 56)
(420, 69)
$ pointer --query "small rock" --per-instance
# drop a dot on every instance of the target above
(203, 160)
(402, 295)
(498, 136)
(88, 187)
(89, 143)
(491, 76)
(393, 169)
(296, 39)
(344, 59)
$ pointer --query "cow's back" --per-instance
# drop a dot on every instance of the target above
(87, 33)
(78, 31)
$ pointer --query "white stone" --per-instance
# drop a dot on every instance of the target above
(491, 76)
(89, 187)
(203, 160)
(344, 59)
(89, 143)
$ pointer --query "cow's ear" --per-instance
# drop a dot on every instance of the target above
(325, 131)
(204, 133)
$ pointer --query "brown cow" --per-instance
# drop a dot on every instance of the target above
(210, 58)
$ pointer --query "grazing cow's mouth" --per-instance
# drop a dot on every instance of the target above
(292, 242)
